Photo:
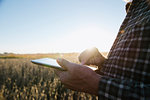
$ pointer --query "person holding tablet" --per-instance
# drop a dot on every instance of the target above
(125, 74)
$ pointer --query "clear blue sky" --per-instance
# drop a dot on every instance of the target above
(43, 26)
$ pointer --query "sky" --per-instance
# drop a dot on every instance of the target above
(50, 26)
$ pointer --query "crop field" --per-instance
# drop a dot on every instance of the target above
(22, 80)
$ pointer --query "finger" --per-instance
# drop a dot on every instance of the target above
(64, 63)
(83, 63)
(82, 56)
(58, 72)
(79, 58)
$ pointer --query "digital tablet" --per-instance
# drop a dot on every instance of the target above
(51, 63)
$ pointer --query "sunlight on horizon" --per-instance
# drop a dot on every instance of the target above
(75, 41)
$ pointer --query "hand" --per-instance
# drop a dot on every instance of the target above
(91, 57)
(78, 77)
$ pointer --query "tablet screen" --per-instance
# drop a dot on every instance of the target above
(49, 62)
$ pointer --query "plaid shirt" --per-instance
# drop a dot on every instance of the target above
(126, 72)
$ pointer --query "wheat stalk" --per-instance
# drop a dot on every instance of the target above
(148, 2)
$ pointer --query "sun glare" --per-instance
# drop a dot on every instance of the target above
(127, 0)
(81, 39)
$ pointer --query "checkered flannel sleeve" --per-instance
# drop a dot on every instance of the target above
(126, 72)
(126, 87)
(117, 89)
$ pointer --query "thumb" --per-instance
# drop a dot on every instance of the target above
(63, 63)
(83, 62)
